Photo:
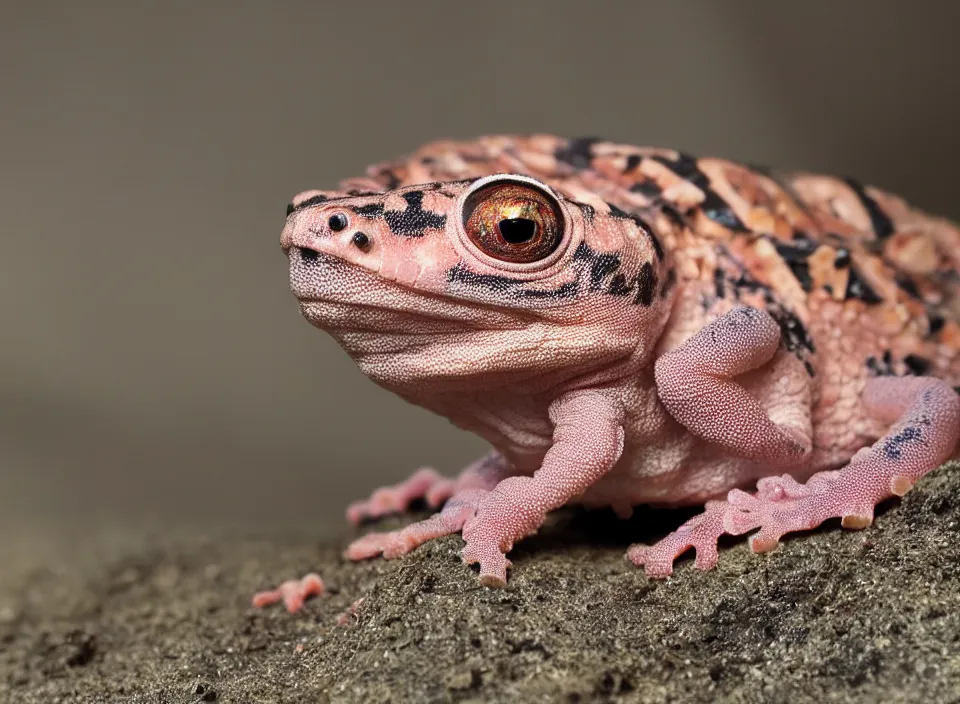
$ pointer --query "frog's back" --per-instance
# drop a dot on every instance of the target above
(860, 282)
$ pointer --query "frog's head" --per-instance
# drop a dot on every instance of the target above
(500, 278)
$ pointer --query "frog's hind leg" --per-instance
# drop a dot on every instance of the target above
(925, 417)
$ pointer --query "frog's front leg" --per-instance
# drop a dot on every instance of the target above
(588, 440)
(425, 484)
(464, 495)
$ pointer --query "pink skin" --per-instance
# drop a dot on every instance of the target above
(293, 593)
(424, 484)
(474, 483)
(587, 442)
(926, 413)
(696, 384)
(612, 371)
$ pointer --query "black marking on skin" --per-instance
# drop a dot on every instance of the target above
(619, 286)
(308, 255)
(308, 203)
(685, 166)
(717, 209)
(646, 284)
(957, 389)
(490, 281)
(601, 265)
(618, 212)
(372, 210)
(719, 281)
(597, 266)
(633, 161)
(589, 212)
(657, 246)
(882, 367)
(751, 285)
(503, 284)
(873, 364)
(794, 335)
(842, 260)
(917, 365)
(290, 209)
(893, 447)
(578, 152)
(649, 188)
(673, 215)
(412, 222)
(909, 287)
(642, 224)
(567, 290)
(796, 258)
(713, 206)
(859, 289)
(882, 225)
(936, 323)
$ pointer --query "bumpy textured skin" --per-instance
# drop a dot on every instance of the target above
(704, 325)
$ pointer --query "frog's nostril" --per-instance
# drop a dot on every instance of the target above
(307, 255)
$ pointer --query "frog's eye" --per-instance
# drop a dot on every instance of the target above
(513, 222)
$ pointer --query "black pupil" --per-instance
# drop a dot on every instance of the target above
(338, 221)
(518, 230)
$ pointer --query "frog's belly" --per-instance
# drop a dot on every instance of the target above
(674, 477)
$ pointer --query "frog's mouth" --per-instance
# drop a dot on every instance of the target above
(410, 339)
(341, 298)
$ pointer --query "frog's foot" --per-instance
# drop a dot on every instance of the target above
(456, 512)
(700, 533)
(424, 484)
(293, 593)
(507, 514)
(924, 437)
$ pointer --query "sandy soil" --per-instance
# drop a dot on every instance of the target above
(830, 616)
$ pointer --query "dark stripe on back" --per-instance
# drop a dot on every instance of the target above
(713, 206)
(882, 225)
(578, 152)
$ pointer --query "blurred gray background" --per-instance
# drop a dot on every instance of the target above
(155, 370)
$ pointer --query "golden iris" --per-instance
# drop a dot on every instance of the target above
(513, 222)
